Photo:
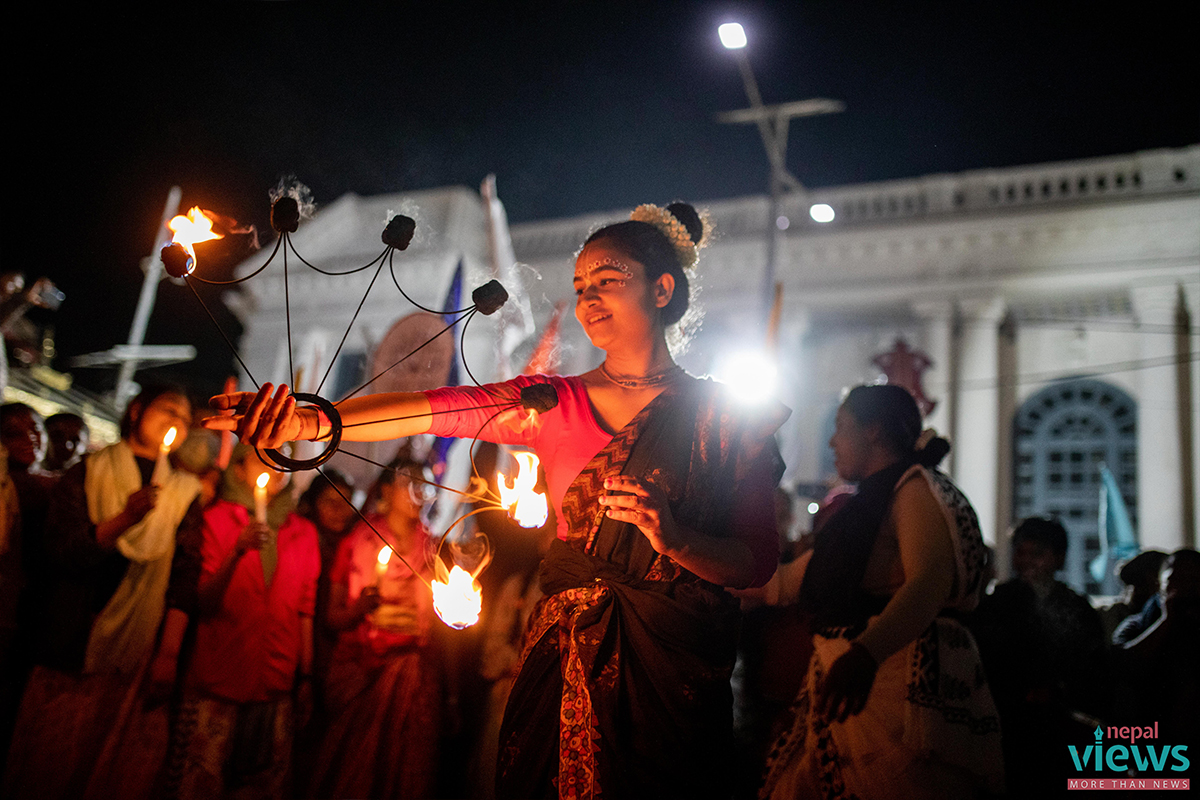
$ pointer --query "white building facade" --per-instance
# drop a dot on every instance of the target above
(1058, 304)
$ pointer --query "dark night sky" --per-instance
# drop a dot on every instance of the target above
(576, 107)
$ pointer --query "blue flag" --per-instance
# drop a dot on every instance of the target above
(1117, 537)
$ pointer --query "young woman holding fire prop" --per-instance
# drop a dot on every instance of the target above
(664, 493)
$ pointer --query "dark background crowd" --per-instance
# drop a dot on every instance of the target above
(1058, 665)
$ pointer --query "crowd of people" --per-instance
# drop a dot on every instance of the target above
(184, 620)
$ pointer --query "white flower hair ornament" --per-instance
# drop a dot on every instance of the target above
(686, 251)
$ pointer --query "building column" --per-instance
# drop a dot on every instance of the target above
(977, 469)
(1189, 333)
(1164, 429)
(941, 382)
(1006, 412)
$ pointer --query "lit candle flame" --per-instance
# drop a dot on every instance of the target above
(385, 555)
(169, 439)
(195, 227)
(527, 508)
(260, 497)
(458, 599)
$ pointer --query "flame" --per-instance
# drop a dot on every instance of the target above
(195, 227)
(459, 599)
(169, 439)
(526, 507)
(385, 555)
(263, 479)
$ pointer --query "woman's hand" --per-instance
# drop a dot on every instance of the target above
(258, 419)
(254, 536)
(847, 685)
(139, 504)
(644, 505)
(161, 678)
(367, 601)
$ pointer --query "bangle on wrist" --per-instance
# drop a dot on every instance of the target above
(323, 424)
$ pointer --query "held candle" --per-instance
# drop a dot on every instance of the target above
(162, 466)
(381, 563)
(260, 498)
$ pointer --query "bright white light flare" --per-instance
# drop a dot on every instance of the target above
(733, 36)
(822, 212)
(751, 376)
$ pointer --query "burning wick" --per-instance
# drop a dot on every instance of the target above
(457, 596)
(162, 466)
(381, 563)
(189, 230)
(526, 507)
(260, 498)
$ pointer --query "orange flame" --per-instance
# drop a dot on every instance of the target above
(169, 439)
(195, 227)
(457, 596)
(526, 507)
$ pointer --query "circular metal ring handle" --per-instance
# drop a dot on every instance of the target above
(335, 437)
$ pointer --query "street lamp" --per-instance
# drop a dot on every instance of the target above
(772, 122)
(733, 35)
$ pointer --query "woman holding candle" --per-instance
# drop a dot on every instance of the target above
(382, 692)
(663, 491)
(123, 557)
(248, 685)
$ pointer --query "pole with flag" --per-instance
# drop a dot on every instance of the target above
(516, 316)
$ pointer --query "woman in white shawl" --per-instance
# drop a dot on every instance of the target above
(116, 613)
(894, 704)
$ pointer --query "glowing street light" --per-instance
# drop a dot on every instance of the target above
(733, 35)
(821, 212)
(772, 122)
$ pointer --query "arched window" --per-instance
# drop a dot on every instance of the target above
(1061, 436)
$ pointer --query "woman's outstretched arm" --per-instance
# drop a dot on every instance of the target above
(266, 421)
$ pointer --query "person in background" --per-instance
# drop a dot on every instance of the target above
(1141, 605)
(24, 562)
(26, 499)
(893, 705)
(383, 689)
(247, 688)
(1043, 649)
(503, 640)
(1156, 672)
(120, 537)
(327, 504)
(68, 438)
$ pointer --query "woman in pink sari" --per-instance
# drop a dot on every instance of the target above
(382, 690)
(662, 488)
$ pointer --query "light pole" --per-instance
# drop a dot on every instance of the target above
(772, 122)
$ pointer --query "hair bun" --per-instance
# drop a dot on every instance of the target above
(686, 213)
(931, 448)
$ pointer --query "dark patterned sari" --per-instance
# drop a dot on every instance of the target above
(624, 688)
